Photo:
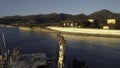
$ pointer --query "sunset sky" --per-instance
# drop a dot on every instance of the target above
(33, 7)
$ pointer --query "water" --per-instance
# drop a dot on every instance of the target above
(100, 52)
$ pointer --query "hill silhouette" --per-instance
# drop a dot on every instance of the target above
(104, 14)
(54, 18)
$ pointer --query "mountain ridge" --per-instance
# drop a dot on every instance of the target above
(104, 14)
(100, 18)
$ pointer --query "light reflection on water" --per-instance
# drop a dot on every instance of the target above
(101, 52)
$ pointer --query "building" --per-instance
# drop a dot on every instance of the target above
(111, 21)
(106, 27)
(69, 24)
(91, 20)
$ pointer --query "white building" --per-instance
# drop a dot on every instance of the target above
(70, 24)
(91, 20)
(106, 27)
(111, 21)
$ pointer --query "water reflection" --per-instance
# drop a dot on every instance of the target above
(101, 52)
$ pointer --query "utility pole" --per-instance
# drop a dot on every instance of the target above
(62, 45)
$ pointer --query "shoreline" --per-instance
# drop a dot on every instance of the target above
(116, 33)
(51, 29)
(94, 35)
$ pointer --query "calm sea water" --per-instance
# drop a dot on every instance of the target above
(100, 52)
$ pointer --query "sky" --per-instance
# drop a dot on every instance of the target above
(34, 7)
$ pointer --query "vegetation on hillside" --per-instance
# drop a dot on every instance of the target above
(100, 19)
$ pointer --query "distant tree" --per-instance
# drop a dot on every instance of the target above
(117, 26)
(96, 24)
(85, 24)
